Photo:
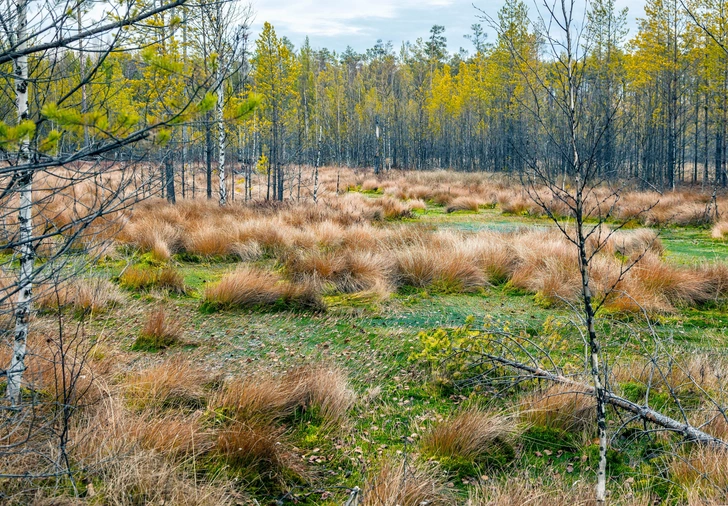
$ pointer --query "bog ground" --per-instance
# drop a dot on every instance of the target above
(268, 354)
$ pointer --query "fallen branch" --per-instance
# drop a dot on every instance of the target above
(643, 412)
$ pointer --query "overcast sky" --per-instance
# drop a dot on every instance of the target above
(334, 24)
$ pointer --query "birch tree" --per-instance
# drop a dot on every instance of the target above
(228, 24)
(25, 218)
(46, 117)
(575, 134)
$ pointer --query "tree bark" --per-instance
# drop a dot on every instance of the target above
(169, 177)
(219, 110)
(643, 412)
(25, 219)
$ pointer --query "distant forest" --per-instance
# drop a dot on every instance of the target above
(661, 95)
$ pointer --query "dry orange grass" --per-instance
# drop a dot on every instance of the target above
(416, 266)
(78, 380)
(717, 425)
(406, 485)
(158, 427)
(685, 374)
(547, 264)
(702, 472)
(513, 203)
(145, 278)
(392, 209)
(246, 287)
(630, 243)
(716, 274)
(680, 207)
(175, 383)
(170, 279)
(336, 246)
(258, 452)
(267, 399)
(272, 235)
(321, 388)
(209, 242)
(562, 407)
(256, 399)
(365, 271)
(247, 251)
(493, 254)
(159, 332)
(177, 437)
(86, 295)
(720, 230)
(458, 273)
(525, 490)
(440, 263)
(151, 232)
(320, 265)
(463, 204)
(138, 278)
(470, 435)
(143, 458)
(671, 286)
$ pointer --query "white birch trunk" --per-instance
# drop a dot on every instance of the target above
(185, 134)
(221, 133)
(27, 254)
(316, 167)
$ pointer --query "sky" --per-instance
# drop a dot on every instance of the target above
(336, 24)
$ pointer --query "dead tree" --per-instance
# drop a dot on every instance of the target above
(578, 198)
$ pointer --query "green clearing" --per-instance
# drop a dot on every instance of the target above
(399, 400)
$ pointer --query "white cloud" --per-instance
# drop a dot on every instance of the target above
(333, 18)
(338, 23)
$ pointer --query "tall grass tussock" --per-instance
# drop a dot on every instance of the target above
(473, 435)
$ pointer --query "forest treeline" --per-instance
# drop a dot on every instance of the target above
(269, 107)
